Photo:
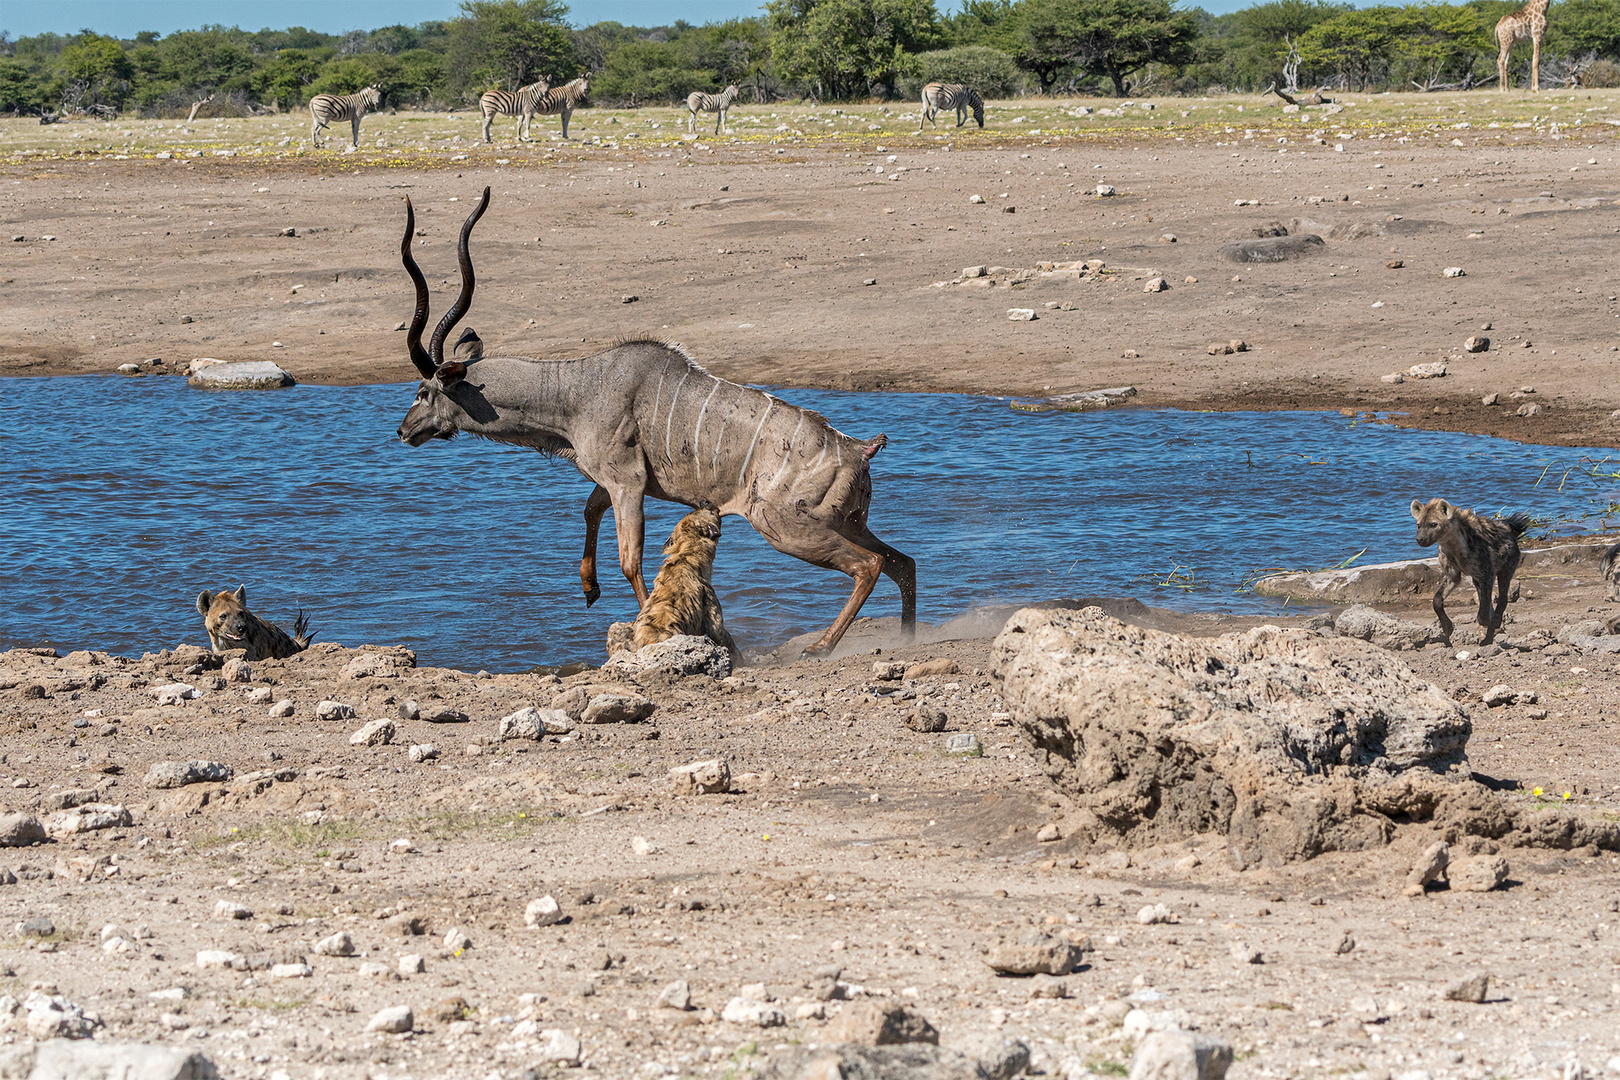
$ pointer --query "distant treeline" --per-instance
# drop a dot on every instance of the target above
(822, 49)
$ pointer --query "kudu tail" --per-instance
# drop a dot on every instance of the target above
(870, 447)
(302, 635)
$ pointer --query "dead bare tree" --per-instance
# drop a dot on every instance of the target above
(195, 105)
(1291, 64)
(1468, 82)
(1315, 98)
(642, 419)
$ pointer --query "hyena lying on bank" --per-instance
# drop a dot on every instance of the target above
(682, 600)
(231, 625)
(1486, 549)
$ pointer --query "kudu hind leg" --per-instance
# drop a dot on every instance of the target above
(595, 507)
(901, 569)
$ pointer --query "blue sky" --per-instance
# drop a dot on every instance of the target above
(124, 18)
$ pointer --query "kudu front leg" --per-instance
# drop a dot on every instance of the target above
(632, 530)
(595, 507)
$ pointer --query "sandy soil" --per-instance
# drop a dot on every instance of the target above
(851, 842)
(756, 256)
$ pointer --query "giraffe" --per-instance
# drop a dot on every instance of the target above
(1530, 21)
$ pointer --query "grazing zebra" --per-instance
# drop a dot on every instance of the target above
(562, 100)
(520, 103)
(697, 102)
(325, 108)
(937, 96)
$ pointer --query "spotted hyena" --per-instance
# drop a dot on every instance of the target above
(1609, 566)
(682, 600)
(1486, 549)
(231, 625)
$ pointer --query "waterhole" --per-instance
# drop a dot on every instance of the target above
(123, 499)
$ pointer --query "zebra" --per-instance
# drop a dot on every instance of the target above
(937, 96)
(697, 102)
(325, 108)
(562, 100)
(520, 103)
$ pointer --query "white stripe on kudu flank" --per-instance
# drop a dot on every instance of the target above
(755, 442)
(669, 425)
(697, 461)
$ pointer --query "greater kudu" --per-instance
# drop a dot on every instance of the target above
(642, 419)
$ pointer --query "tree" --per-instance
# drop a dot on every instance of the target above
(996, 24)
(19, 90)
(510, 43)
(1112, 39)
(97, 69)
(1584, 26)
(989, 71)
(284, 78)
(1351, 43)
(850, 48)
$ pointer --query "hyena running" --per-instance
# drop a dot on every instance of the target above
(1486, 549)
(682, 600)
(231, 625)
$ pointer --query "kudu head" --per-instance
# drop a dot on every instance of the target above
(444, 398)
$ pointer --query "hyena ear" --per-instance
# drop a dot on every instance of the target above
(1417, 510)
(451, 373)
(1446, 509)
(241, 595)
(203, 600)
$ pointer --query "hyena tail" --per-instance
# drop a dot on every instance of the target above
(1518, 523)
(302, 635)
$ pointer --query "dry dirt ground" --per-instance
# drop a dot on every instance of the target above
(778, 257)
(852, 843)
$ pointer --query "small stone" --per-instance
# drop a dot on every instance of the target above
(628, 298)
(412, 964)
(1037, 954)
(1489, 399)
(879, 1023)
(873, 280)
(741, 1010)
(1346, 945)
(1395, 264)
(1104, 190)
(1190, 280)
(617, 709)
(976, 199)
(457, 941)
(974, 271)
(409, 710)
(333, 710)
(21, 830)
(1472, 989)
(395, 1019)
(1219, 349)
(1154, 914)
(1429, 868)
(173, 774)
(1453, 271)
(1155, 284)
(1021, 314)
(930, 668)
(1238, 345)
(559, 1046)
(711, 777)
(175, 693)
(130, 369)
(291, 971)
(375, 733)
(421, 752)
(1530, 409)
(449, 1010)
(39, 927)
(926, 718)
(373, 970)
(1167, 238)
(1393, 379)
(965, 744)
(243, 375)
(339, 944)
(225, 909)
(543, 912)
(1048, 834)
(1245, 954)
(888, 671)
(1477, 343)
(1479, 874)
(677, 995)
(1181, 1055)
(1436, 370)
(282, 708)
(289, 232)
(216, 958)
(642, 846)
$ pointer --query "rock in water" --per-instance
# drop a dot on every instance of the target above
(1273, 737)
(1181, 1055)
(249, 375)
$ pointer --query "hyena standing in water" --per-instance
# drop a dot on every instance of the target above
(682, 600)
(1486, 549)
(231, 625)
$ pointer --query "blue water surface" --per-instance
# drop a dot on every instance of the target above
(122, 499)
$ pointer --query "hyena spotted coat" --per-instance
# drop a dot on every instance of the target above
(1486, 549)
(231, 625)
(683, 600)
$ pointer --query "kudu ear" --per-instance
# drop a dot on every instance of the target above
(203, 600)
(451, 373)
(1417, 510)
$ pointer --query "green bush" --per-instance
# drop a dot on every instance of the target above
(989, 71)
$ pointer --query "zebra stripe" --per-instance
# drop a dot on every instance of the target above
(697, 102)
(562, 100)
(937, 96)
(325, 108)
(520, 103)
